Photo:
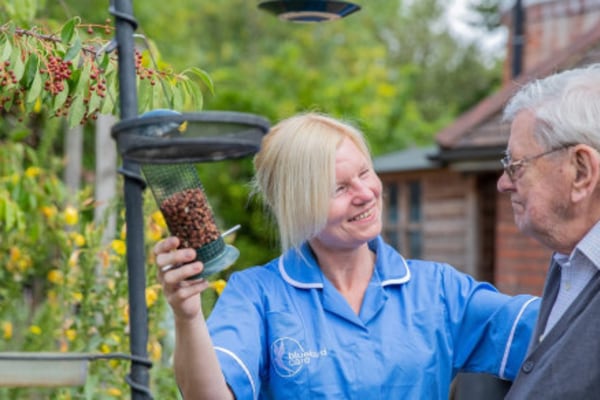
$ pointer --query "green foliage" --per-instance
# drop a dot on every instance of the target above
(393, 68)
(71, 73)
(64, 287)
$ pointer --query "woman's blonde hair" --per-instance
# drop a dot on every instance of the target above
(295, 172)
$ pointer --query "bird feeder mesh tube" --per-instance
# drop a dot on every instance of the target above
(180, 197)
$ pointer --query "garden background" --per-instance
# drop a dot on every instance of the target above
(395, 69)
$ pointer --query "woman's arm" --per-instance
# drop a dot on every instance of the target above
(197, 369)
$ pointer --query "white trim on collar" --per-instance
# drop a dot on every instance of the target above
(294, 282)
(318, 285)
(398, 281)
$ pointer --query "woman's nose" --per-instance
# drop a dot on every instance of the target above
(362, 191)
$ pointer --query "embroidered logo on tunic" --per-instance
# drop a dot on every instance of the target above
(288, 357)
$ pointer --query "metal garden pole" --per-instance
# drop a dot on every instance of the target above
(138, 379)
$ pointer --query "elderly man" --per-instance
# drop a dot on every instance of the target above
(552, 174)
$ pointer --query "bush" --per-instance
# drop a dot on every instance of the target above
(64, 287)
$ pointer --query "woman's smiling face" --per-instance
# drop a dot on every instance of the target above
(354, 215)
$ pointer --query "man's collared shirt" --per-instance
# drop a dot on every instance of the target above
(576, 271)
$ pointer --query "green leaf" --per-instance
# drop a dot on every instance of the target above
(6, 51)
(18, 65)
(158, 96)
(73, 50)
(195, 95)
(74, 80)
(31, 69)
(84, 78)
(11, 213)
(20, 134)
(59, 100)
(108, 105)
(76, 111)
(66, 33)
(36, 88)
(95, 102)
(144, 95)
(204, 77)
(104, 62)
(178, 97)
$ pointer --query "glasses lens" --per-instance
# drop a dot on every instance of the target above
(506, 164)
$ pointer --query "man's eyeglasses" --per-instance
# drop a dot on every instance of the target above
(512, 167)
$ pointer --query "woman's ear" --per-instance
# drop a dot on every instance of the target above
(586, 161)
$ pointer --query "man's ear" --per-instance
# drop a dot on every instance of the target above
(586, 161)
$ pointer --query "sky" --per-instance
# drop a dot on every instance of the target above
(490, 42)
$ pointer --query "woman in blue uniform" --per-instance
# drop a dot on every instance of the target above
(340, 314)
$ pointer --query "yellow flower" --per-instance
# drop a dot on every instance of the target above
(218, 285)
(24, 263)
(77, 238)
(104, 348)
(115, 338)
(48, 211)
(125, 314)
(15, 254)
(71, 334)
(152, 294)
(35, 330)
(37, 106)
(155, 232)
(113, 391)
(154, 350)
(32, 172)
(55, 276)
(71, 215)
(118, 247)
(159, 218)
(77, 297)
(7, 328)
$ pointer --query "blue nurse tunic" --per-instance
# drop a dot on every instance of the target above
(282, 331)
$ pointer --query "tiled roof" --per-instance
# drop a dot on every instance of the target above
(412, 159)
(481, 126)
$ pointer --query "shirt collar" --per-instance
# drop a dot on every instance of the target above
(588, 247)
(299, 268)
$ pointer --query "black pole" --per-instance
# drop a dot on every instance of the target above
(518, 38)
(134, 185)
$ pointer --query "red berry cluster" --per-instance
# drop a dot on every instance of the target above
(98, 85)
(106, 28)
(57, 71)
(8, 78)
(141, 71)
(7, 75)
(97, 81)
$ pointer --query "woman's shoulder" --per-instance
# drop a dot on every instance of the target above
(267, 273)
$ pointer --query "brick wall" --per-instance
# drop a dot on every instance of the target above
(551, 26)
(521, 262)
